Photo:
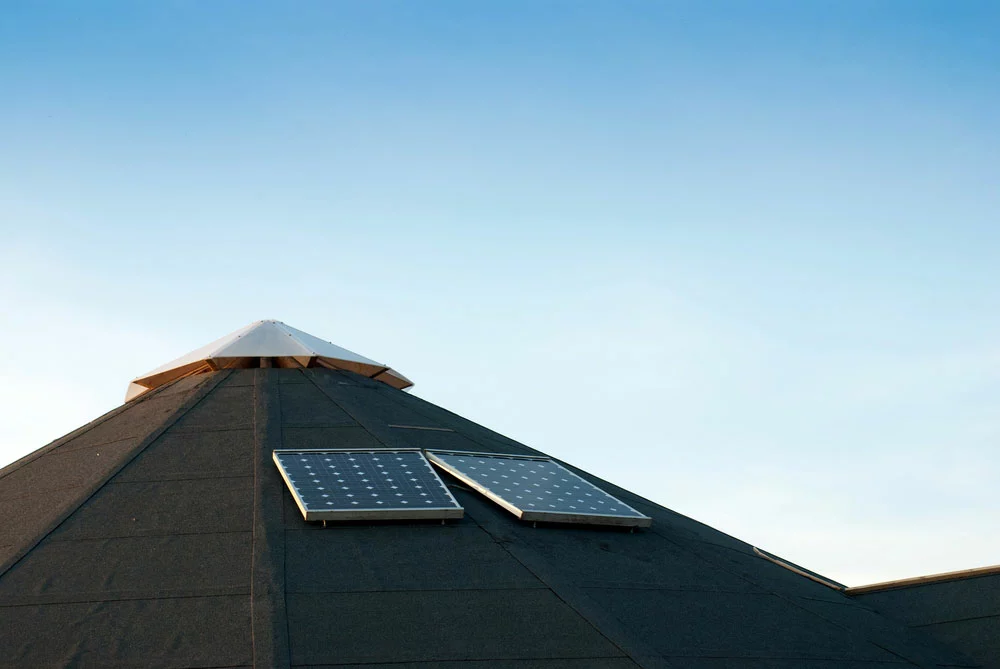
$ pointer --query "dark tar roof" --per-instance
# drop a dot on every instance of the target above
(161, 535)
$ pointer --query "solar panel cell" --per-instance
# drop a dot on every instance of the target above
(354, 484)
(537, 489)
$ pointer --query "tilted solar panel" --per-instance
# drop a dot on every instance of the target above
(535, 488)
(365, 484)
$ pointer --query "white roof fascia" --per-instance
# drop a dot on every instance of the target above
(325, 349)
(205, 352)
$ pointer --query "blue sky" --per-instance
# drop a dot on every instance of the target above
(739, 257)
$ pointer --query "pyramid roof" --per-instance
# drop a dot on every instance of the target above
(162, 534)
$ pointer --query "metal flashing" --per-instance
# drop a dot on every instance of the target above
(928, 579)
(800, 571)
(897, 584)
(260, 344)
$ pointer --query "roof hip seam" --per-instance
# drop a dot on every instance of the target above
(288, 330)
(269, 631)
(227, 340)
(80, 431)
(151, 437)
(928, 579)
(801, 602)
(309, 374)
(833, 585)
(605, 625)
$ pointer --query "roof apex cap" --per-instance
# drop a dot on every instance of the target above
(243, 348)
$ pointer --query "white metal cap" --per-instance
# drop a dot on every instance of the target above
(265, 339)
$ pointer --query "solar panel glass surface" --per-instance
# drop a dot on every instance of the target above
(365, 484)
(537, 488)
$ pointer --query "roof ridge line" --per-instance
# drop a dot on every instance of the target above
(616, 633)
(71, 507)
(288, 330)
(269, 635)
(801, 571)
(226, 340)
(12, 467)
(927, 579)
(870, 636)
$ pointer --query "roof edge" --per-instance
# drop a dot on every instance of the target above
(805, 573)
(928, 579)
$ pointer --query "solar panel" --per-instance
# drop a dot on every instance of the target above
(365, 484)
(536, 488)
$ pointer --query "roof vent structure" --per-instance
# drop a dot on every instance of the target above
(272, 341)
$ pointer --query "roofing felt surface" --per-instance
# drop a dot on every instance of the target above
(162, 535)
(964, 613)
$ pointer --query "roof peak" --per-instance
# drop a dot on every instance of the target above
(271, 339)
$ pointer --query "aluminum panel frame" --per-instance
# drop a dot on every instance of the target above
(534, 515)
(389, 513)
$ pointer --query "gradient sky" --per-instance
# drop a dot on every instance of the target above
(741, 258)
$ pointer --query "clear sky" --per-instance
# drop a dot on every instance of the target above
(740, 257)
